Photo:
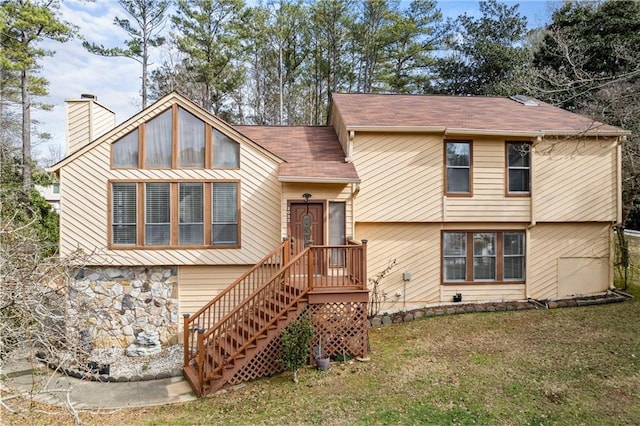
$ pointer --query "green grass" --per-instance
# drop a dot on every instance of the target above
(540, 367)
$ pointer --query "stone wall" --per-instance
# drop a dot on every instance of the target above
(110, 306)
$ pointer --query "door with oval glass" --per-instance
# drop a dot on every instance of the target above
(306, 227)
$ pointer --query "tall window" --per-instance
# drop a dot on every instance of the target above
(224, 227)
(458, 167)
(157, 214)
(191, 212)
(226, 153)
(337, 213)
(518, 168)
(493, 257)
(455, 256)
(190, 140)
(514, 256)
(484, 256)
(125, 151)
(159, 140)
(124, 214)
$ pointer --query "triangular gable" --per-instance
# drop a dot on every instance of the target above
(158, 107)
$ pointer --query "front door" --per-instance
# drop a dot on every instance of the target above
(306, 227)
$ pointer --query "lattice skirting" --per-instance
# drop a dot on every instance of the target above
(339, 328)
(265, 363)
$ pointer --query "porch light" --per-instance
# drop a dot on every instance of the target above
(306, 197)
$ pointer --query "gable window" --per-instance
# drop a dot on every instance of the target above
(458, 162)
(158, 135)
(226, 153)
(224, 223)
(125, 151)
(191, 141)
(174, 139)
(518, 168)
(191, 212)
(492, 257)
(124, 213)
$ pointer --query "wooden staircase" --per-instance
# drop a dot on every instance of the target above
(225, 338)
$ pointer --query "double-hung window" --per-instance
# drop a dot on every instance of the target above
(458, 163)
(518, 168)
(483, 256)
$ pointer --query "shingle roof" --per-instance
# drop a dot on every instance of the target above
(484, 113)
(310, 152)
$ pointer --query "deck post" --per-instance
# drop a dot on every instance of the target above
(364, 264)
(201, 350)
(185, 336)
(310, 268)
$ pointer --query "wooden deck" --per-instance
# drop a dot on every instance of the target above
(237, 333)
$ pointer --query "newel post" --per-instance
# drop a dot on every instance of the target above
(310, 255)
(201, 360)
(185, 336)
(287, 251)
(364, 264)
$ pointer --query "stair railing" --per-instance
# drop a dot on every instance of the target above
(262, 309)
(231, 297)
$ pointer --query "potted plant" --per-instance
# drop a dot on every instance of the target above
(296, 338)
(322, 359)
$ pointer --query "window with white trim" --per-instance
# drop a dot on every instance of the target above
(483, 256)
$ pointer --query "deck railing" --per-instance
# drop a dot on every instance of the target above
(223, 335)
(234, 295)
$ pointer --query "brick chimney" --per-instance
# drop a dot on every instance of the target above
(86, 121)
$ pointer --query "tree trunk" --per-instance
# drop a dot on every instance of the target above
(26, 132)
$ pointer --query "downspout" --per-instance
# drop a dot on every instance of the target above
(532, 214)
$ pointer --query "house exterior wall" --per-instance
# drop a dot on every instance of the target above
(319, 192)
(564, 260)
(199, 284)
(401, 209)
(84, 222)
(576, 180)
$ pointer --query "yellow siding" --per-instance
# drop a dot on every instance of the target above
(489, 201)
(549, 243)
(103, 120)
(401, 177)
(416, 248)
(84, 218)
(87, 120)
(484, 292)
(79, 127)
(197, 285)
(319, 192)
(575, 181)
(335, 120)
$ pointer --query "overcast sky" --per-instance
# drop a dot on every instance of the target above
(72, 71)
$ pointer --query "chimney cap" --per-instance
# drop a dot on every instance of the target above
(88, 96)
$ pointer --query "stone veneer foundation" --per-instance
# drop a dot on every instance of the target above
(110, 306)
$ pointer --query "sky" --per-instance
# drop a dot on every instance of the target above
(73, 71)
